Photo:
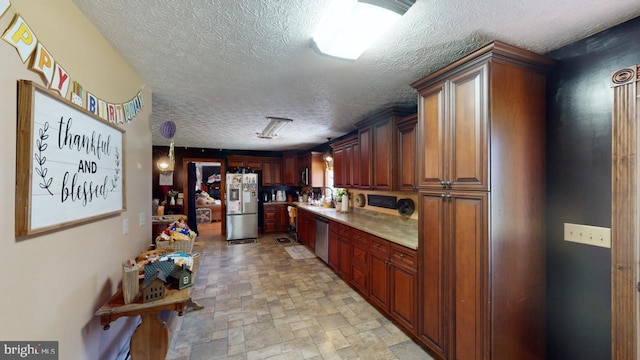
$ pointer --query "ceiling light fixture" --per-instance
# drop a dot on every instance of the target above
(275, 125)
(349, 27)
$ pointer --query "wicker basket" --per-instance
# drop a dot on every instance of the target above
(185, 246)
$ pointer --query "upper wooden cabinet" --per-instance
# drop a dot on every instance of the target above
(346, 162)
(454, 132)
(406, 153)
(272, 172)
(290, 176)
(314, 163)
(377, 148)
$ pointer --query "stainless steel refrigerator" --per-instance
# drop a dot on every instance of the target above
(242, 206)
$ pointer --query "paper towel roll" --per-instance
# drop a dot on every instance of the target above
(345, 203)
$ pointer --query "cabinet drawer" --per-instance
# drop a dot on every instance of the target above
(344, 230)
(379, 245)
(334, 227)
(404, 256)
(360, 253)
(360, 237)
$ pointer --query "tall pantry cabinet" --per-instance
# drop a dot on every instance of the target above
(481, 133)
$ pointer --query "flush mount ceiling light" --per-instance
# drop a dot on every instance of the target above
(275, 125)
(349, 27)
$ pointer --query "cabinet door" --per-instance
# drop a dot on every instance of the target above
(355, 164)
(276, 175)
(404, 297)
(283, 218)
(364, 135)
(270, 218)
(339, 165)
(359, 278)
(302, 228)
(267, 173)
(432, 136)
(253, 164)
(235, 162)
(468, 236)
(407, 142)
(290, 171)
(382, 153)
(345, 258)
(311, 233)
(468, 158)
(432, 284)
(334, 250)
(379, 284)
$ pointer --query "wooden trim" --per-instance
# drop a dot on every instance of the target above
(624, 216)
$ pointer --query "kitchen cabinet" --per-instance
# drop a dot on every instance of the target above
(403, 301)
(481, 136)
(248, 162)
(406, 153)
(314, 162)
(344, 252)
(379, 290)
(360, 261)
(272, 172)
(290, 172)
(377, 146)
(346, 167)
(334, 245)
(306, 228)
(276, 217)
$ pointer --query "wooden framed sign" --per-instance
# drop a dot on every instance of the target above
(69, 165)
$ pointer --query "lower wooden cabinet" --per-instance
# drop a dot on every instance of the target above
(276, 218)
(306, 228)
(385, 273)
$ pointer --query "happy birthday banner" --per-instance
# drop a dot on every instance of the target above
(20, 36)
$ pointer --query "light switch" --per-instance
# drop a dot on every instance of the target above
(142, 220)
(125, 226)
(589, 235)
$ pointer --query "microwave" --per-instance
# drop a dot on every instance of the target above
(304, 177)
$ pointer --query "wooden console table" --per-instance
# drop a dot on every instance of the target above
(151, 338)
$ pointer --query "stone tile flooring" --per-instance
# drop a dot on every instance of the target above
(262, 304)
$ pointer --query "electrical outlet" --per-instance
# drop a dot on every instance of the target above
(125, 226)
(589, 235)
(142, 220)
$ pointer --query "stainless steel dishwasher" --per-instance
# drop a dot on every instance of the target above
(322, 238)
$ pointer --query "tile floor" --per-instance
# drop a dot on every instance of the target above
(262, 304)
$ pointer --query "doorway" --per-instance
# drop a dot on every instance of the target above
(206, 193)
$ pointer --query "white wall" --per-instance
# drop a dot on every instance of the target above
(52, 284)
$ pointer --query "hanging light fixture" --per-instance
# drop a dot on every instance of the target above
(349, 27)
(166, 163)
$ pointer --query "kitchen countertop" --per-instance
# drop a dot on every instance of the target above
(389, 227)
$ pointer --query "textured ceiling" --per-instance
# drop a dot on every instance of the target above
(218, 68)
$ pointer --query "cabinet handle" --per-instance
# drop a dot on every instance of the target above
(448, 183)
(443, 196)
(402, 256)
(448, 196)
(443, 183)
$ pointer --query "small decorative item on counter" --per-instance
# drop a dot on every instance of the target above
(130, 282)
(180, 277)
(154, 286)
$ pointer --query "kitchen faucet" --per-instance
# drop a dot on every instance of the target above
(332, 198)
